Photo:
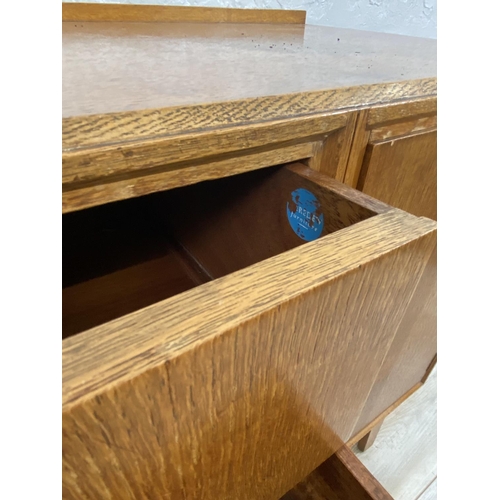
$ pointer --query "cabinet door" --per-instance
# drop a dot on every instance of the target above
(402, 172)
(393, 157)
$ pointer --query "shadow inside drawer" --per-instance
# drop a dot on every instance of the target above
(123, 256)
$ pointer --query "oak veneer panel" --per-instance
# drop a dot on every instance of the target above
(412, 351)
(403, 173)
(400, 129)
(389, 121)
(108, 163)
(173, 13)
(117, 67)
(177, 175)
(401, 112)
(341, 477)
(333, 153)
(184, 399)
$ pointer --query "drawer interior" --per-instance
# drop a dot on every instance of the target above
(123, 256)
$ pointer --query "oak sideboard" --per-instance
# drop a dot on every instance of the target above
(249, 250)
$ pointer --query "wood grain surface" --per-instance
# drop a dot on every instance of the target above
(98, 164)
(173, 13)
(178, 175)
(400, 129)
(401, 112)
(241, 386)
(412, 350)
(341, 477)
(111, 296)
(332, 155)
(123, 67)
(403, 173)
(388, 121)
(184, 397)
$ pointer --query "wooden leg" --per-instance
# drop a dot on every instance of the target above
(368, 439)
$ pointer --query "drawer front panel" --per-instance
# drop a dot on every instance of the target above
(258, 388)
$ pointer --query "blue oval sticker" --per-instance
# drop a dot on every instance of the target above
(304, 216)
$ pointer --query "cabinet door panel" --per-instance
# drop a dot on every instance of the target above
(402, 173)
(411, 353)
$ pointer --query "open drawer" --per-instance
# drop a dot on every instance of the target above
(221, 339)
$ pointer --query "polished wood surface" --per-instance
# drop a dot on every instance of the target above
(173, 13)
(403, 173)
(184, 397)
(117, 67)
(405, 128)
(341, 477)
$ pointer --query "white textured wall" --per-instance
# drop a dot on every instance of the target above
(405, 17)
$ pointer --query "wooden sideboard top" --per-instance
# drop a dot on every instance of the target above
(81, 11)
(116, 67)
(140, 96)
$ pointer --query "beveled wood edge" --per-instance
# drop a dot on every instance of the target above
(357, 151)
(132, 159)
(369, 119)
(182, 175)
(395, 112)
(361, 474)
(356, 437)
(429, 369)
(345, 476)
(101, 358)
(347, 192)
(102, 12)
(114, 129)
